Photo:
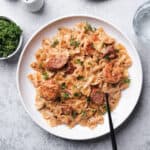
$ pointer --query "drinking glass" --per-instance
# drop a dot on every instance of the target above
(141, 23)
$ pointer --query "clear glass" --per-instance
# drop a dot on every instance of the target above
(141, 22)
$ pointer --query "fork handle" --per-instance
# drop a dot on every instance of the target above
(112, 133)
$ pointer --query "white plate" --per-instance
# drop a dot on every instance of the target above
(127, 102)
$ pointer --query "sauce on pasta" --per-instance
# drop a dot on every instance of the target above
(73, 72)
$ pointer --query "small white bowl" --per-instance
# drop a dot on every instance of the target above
(19, 44)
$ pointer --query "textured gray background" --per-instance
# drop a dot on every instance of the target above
(18, 132)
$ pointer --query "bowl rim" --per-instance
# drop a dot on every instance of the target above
(19, 44)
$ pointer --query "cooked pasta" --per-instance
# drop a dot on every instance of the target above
(73, 72)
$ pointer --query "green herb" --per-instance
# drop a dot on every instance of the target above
(88, 27)
(77, 94)
(94, 111)
(105, 108)
(127, 80)
(107, 57)
(63, 85)
(88, 99)
(83, 113)
(9, 37)
(45, 76)
(65, 95)
(103, 111)
(80, 77)
(74, 43)
(74, 114)
(56, 42)
(41, 66)
(78, 61)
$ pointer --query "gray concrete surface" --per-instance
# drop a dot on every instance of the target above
(18, 132)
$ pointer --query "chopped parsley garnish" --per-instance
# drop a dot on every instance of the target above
(45, 75)
(105, 108)
(88, 27)
(127, 80)
(88, 99)
(65, 95)
(41, 66)
(107, 57)
(56, 42)
(74, 114)
(80, 77)
(77, 94)
(74, 86)
(9, 37)
(78, 61)
(63, 85)
(94, 111)
(74, 43)
(83, 113)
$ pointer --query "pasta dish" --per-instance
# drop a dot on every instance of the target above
(74, 70)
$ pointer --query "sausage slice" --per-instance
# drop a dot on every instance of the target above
(70, 68)
(110, 52)
(57, 61)
(109, 49)
(97, 96)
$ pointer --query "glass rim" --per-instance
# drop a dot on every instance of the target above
(134, 22)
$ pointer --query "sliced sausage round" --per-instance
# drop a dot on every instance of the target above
(70, 68)
(110, 52)
(56, 62)
(97, 96)
(49, 90)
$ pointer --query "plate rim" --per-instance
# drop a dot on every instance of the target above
(63, 18)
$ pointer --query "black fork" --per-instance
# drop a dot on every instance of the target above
(112, 132)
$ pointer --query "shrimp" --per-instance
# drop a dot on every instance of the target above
(56, 62)
(112, 73)
(49, 90)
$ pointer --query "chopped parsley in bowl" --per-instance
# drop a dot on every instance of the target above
(10, 38)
